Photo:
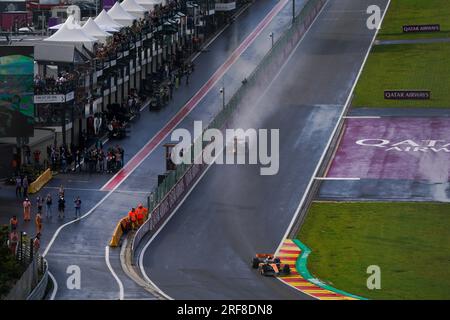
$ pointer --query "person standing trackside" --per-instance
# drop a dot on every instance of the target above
(37, 242)
(39, 204)
(77, 160)
(77, 207)
(48, 205)
(61, 191)
(171, 85)
(25, 186)
(18, 187)
(13, 240)
(38, 221)
(133, 218)
(187, 74)
(101, 160)
(61, 207)
(122, 155)
(118, 156)
(140, 215)
(177, 80)
(13, 223)
(26, 210)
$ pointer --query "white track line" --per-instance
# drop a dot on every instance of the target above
(362, 117)
(121, 291)
(331, 136)
(336, 179)
(55, 286)
(142, 253)
(77, 189)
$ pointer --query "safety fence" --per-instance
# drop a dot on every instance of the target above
(177, 183)
(33, 282)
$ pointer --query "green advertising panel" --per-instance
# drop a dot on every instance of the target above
(16, 91)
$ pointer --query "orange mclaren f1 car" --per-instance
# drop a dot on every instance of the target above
(270, 266)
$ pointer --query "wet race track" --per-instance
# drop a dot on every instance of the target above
(204, 251)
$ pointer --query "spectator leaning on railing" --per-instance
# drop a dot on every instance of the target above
(62, 83)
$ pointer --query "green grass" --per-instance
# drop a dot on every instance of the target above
(410, 242)
(405, 67)
(413, 12)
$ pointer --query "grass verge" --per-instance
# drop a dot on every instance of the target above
(413, 12)
(410, 242)
(405, 67)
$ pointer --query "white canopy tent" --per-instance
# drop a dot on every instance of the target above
(104, 21)
(149, 4)
(70, 22)
(119, 15)
(107, 28)
(92, 29)
(133, 8)
(66, 34)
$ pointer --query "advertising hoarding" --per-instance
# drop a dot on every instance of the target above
(16, 91)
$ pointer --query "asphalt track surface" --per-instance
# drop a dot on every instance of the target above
(82, 243)
(205, 249)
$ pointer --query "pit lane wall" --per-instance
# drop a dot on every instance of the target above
(177, 184)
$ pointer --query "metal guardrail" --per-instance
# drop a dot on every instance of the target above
(168, 194)
(32, 283)
(38, 292)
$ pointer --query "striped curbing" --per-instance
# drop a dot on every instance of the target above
(295, 254)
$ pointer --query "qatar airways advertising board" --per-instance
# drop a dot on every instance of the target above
(394, 148)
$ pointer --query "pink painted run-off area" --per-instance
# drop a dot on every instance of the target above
(131, 165)
(412, 152)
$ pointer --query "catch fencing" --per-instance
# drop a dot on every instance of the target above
(164, 199)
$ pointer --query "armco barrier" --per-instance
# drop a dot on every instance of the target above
(37, 184)
(31, 286)
(174, 187)
(38, 292)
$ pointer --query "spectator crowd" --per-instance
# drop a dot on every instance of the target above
(62, 83)
(91, 160)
